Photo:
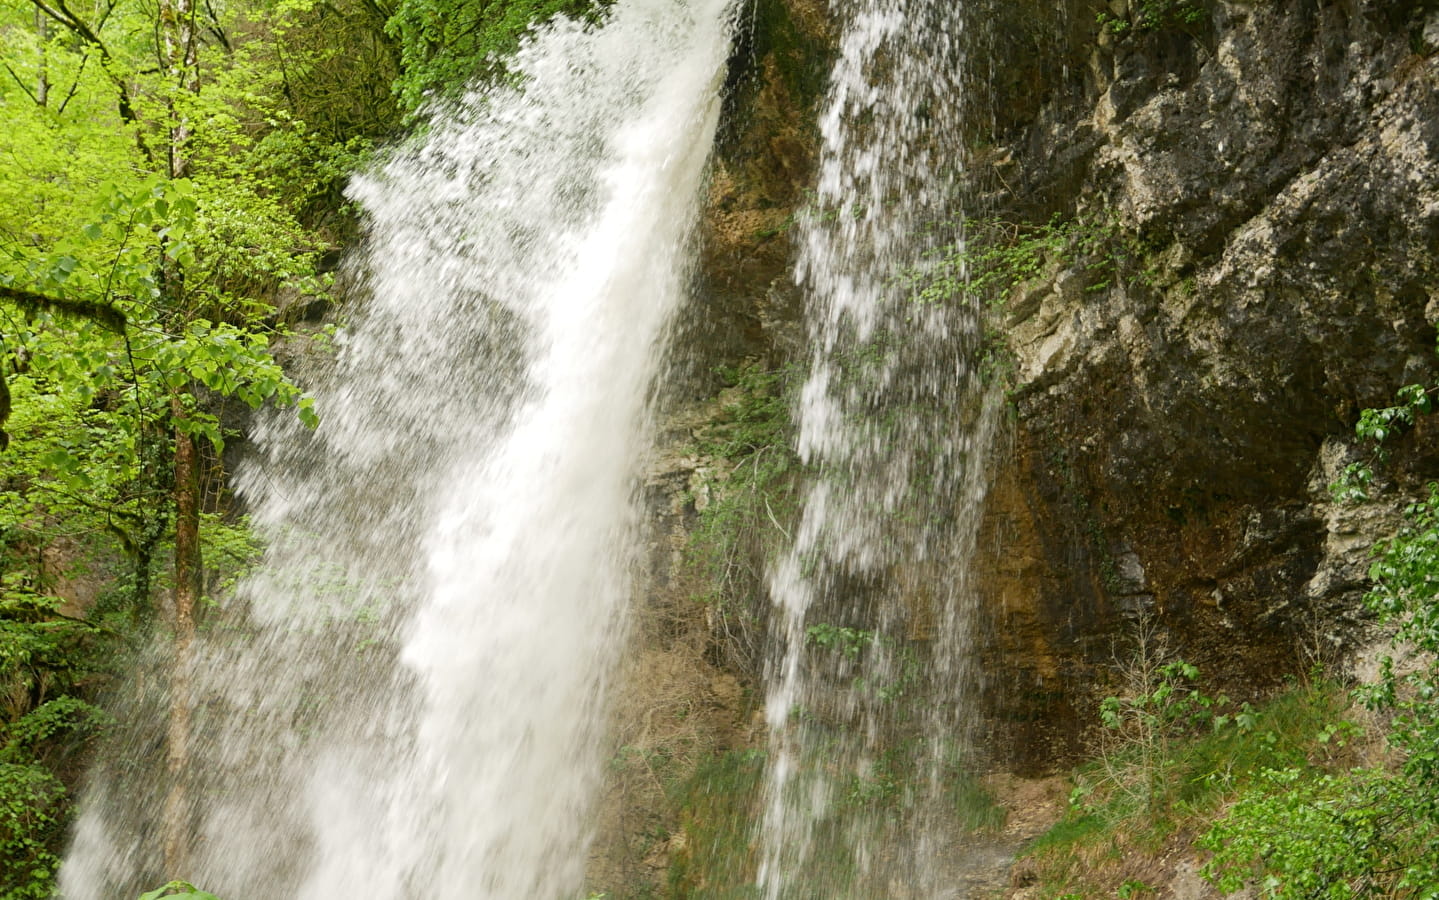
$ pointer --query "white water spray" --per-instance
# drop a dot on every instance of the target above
(870, 679)
(409, 699)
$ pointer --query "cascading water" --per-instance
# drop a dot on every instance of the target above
(870, 680)
(408, 699)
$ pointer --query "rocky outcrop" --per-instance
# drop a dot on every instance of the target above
(1267, 175)
(1261, 183)
(1272, 174)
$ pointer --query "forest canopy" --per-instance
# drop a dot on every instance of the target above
(171, 208)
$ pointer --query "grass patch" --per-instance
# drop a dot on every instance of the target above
(1114, 833)
(718, 805)
(974, 807)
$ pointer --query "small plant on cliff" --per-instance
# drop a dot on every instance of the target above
(995, 259)
(750, 499)
(1160, 707)
(849, 641)
(1148, 16)
(1142, 726)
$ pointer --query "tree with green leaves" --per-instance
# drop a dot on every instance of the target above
(120, 316)
(445, 44)
(120, 372)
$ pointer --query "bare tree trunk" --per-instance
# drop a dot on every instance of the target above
(178, 44)
(42, 77)
(179, 52)
(187, 593)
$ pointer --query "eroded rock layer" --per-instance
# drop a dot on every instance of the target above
(1254, 189)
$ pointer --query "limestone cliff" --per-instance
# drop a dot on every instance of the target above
(1271, 171)
(1276, 168)
(1266, 175)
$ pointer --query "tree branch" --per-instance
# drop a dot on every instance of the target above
(62, 14)
(29, 93)
(75, 85)
(100, 313)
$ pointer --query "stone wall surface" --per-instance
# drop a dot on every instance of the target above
(1268, 176)
(1272, 173)
(1276, 171)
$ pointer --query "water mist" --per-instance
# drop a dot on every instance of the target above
(870, 678)
(408, 698)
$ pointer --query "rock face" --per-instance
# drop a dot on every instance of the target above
(1275, 172)
(1260, 180)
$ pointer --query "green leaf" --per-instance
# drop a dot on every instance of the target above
(178, 889)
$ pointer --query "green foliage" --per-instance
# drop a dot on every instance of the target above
(140, 256)
(1302, 726)
(42, 658)
(1171, 701)
(994, 259)
(875, 665)
(290, 110)
(1406, 593)
(1066, 834)
(157, 304)
(1300, 834)
(718, 805)
(445, 44)
(1172, 747)
(1365, 831)
(65, 715)
(1149, 16)
(1176, 758)
(1375, 426)
(95, 411)
(975, 808)
(1161, 708)
(178, 889)
(31, 815)
(63, 150)
(754, 416)
(747, 500)
(38, 653)
(1133, 887)
(849, 641)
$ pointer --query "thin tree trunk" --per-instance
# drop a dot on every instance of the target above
(187, 594)
(177, 37)
(42, 77)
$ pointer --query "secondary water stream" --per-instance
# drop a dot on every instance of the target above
(407, 699)
(871, 683)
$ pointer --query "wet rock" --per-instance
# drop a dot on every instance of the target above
(1275, 182)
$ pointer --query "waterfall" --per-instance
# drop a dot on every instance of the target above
(871, 684)
(408, 698)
